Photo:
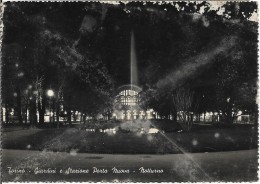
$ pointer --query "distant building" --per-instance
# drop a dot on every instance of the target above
(127, 104)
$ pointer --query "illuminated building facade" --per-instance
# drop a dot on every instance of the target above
(127, 104)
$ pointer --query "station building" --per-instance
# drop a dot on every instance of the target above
(127, 104)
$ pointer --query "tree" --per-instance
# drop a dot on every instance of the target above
(236, 82)
(183, 101)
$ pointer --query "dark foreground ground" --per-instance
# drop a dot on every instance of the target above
(207, 153)
(235, 166)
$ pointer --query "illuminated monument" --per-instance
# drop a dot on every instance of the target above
(128, 98)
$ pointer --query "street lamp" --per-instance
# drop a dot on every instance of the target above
(228, 99)
(50, 94)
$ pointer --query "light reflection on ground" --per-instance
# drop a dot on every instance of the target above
(115, 130)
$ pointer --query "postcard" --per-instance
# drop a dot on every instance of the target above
(114, 91)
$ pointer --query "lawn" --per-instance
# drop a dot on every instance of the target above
(78, 139)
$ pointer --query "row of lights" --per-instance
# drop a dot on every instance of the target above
(50, 93)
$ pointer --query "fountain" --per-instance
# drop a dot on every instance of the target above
(133, 61)
(128, 98)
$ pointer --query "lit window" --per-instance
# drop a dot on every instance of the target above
(128, 97)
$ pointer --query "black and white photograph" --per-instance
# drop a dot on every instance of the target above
(113, 91)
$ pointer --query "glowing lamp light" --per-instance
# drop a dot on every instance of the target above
(228, 99)
(21, 74)
(50, 93)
